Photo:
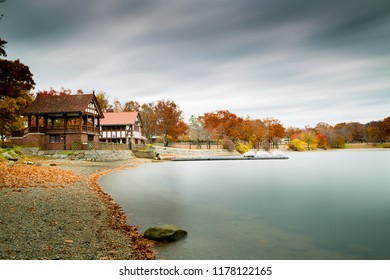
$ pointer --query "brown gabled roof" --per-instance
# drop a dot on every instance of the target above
(121, 118)
(46, 104)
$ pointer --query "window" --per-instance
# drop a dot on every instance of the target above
(58, 123)
(33, 121)
(55, 139)
(41, 121)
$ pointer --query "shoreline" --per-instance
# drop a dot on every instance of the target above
(142, 247)
(75, 220)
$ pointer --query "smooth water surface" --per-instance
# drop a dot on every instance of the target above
(315, 205)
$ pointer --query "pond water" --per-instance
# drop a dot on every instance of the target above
(315, 205)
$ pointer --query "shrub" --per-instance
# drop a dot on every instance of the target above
(228, 145)
(296, 145)
(243, 148)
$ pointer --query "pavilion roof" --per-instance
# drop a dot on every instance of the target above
(53, 104)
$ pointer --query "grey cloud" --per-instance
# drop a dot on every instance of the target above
(259, 57)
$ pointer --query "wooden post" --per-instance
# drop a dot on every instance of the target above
(65, 128)
(80, 123)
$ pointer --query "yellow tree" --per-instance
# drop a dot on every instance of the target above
(102, 99)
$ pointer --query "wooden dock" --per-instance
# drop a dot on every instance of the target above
(226, 158)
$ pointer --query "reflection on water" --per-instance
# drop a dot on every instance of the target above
(316, 205)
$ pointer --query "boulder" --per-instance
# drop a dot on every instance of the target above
(165, 233)
(10, 156)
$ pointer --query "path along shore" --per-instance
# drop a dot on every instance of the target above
(55, 209)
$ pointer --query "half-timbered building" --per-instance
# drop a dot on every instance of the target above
(61, 122)
(122, 127)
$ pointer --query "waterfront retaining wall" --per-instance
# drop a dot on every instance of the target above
(87, 155)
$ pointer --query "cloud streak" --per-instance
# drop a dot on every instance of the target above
(299, 61)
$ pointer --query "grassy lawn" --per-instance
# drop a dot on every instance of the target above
(366, 146)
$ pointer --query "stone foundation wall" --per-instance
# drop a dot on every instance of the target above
(183, 152)
(87, 155)
(168, 152)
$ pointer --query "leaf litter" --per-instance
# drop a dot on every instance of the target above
(27, 176)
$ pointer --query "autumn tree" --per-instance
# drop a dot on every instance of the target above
(149, 120)
(15, 84)
(352, 131)
(323, 128)
(102, 99)
(337, 141)
(169, 121)
(252, 132)
(386, 128)
(54, 92)
(358, 132)
(223, 124)
(131, 106)
(375, 132)
(291, 132)
(309, 137)
(322, 141)
(274, 130)
(211, 124)
(258, 134)
(247, 130)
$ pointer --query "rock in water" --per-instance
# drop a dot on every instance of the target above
(165, 233)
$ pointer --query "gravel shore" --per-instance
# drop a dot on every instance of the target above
(70, 221)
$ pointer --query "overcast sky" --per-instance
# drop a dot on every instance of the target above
(299, 61)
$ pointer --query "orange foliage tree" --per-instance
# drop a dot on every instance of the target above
(149, 120)
(274, 130)
(223, 125)
(169, 121)
(253, 132)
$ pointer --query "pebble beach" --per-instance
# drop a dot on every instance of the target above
(43, 217)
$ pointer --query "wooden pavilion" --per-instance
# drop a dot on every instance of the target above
(61, 122)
